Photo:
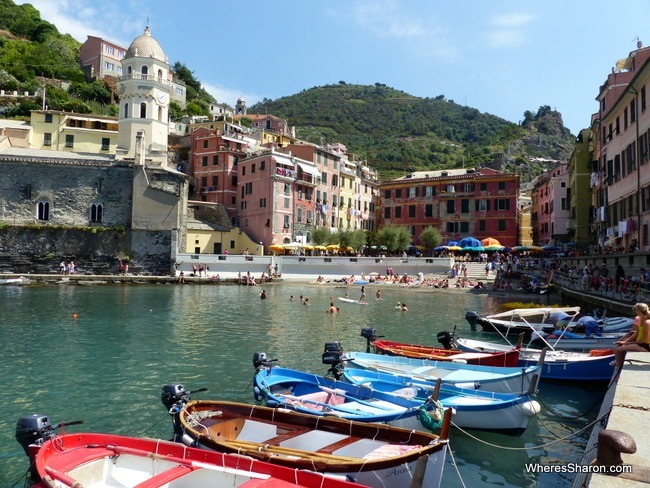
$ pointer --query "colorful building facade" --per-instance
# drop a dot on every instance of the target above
(479, 203)
(621, 179)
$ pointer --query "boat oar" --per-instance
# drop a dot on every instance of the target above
(287, 451)
(337, 408)
(355, 399)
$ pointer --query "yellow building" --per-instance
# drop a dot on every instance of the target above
(208, 232)
(348, 213)
(79, 133)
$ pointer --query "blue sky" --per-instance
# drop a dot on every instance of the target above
(500, 57)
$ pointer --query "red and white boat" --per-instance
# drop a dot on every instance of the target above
(508, 358)
(94, 460)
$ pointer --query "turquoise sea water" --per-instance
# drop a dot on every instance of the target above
(102, 354)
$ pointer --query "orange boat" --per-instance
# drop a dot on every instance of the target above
(448, 353)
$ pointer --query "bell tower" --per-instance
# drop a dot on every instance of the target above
(145, 90)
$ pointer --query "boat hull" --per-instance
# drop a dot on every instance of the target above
(317, 395)
(558, 365)
(473, 409)
(374, 455)
(503, 358)
(95, 460)
(486, 378)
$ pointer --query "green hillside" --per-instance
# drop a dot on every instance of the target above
(394, 131)
(34, 53)
(397, 132)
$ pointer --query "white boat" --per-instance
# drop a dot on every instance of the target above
(518, 320)
(21, 280)
(487, 378)
(576, 342)
(558, 365)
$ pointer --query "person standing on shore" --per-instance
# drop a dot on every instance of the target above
(619, 277)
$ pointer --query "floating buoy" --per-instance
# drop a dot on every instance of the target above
(74, 315)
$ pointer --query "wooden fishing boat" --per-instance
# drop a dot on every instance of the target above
(94, 460)
(504, 413)
(487, 378)
(558, 365)
(373, 455)
(501, 358)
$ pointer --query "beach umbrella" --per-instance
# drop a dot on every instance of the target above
(452, 243)
(521, 248)
(292, 245)
(469, 242)
(439, 248)
(550, 248)
(454, 248)
(320, 248)
(276, 247)
(333, 247)
(495, 248)
(490, 241)
(308, 247)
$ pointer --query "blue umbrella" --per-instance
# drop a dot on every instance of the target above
(452, 243)
(439, 248)
(470, 242)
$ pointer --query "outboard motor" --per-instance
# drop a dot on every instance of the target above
(445, 338)
(472, 317)
(33, 430)
(333, 355)
(174, 397)
(260, 360)
(370, 334)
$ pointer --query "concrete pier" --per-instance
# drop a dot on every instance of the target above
(628, 405)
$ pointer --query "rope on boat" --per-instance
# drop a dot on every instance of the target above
(193, 419)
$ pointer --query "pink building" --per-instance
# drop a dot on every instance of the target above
(276, 202)
(551, 198)
(326, 191)
(101, 58)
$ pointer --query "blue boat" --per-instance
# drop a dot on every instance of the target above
(391, 399)
(519, 380)
(318, 395)
(505, 413)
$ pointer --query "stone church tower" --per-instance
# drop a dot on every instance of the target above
(145, 90)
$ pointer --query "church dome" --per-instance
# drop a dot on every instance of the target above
(146, 46)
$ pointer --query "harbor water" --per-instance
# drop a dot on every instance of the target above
(102, 353)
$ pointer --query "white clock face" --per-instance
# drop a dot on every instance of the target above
(161, 97)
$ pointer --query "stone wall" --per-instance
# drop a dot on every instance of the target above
(25, 250)
(70, 190)
(39, 250)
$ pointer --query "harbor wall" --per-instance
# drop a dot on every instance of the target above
(299, 267)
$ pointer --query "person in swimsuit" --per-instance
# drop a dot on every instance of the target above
(637, 342)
